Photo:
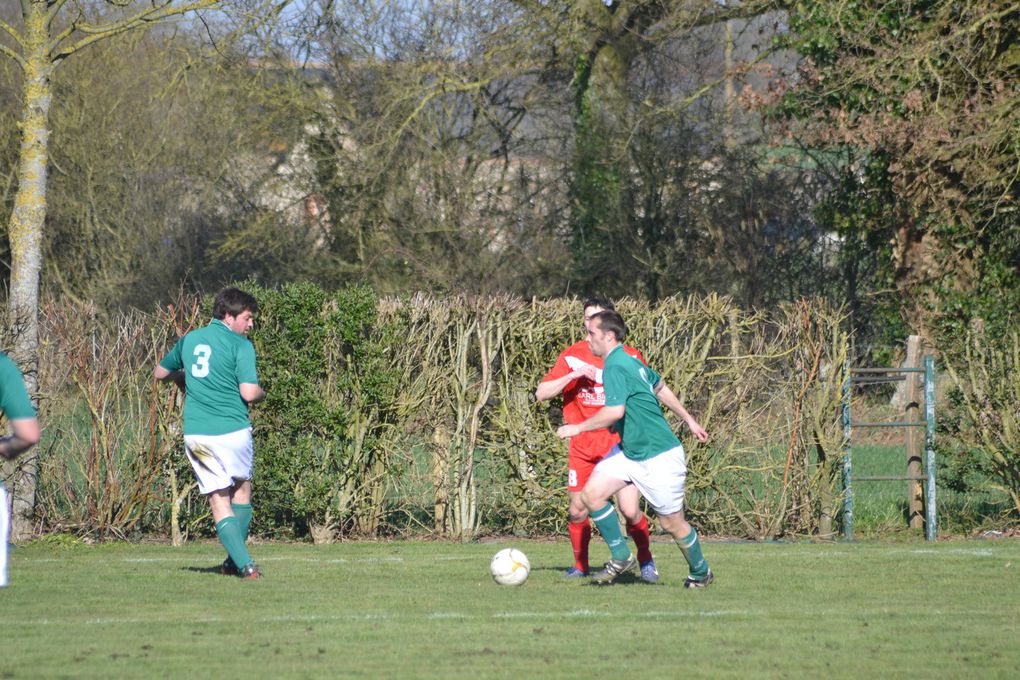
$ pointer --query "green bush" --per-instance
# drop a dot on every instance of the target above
(321, 361)
(983, 421)
(411, 415)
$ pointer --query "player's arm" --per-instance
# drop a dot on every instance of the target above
(606, 416)
(24, 435)
(672, 402)
(166, 375)
(551, 388)
(251, 392)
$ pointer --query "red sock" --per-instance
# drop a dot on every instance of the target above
(639, 532)
(580, 537)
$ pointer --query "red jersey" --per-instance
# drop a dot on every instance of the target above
(582, 398)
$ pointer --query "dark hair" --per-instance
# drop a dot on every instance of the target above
(611, 321)
(233, 301)
(598, 301)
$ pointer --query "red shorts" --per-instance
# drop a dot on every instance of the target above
(579, 469)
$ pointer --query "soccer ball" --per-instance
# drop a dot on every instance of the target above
(510, 567)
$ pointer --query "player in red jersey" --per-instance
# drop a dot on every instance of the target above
(577, 375)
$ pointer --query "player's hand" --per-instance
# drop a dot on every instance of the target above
(584, 371)
(567, 431)
(698, 431)
(7, 451)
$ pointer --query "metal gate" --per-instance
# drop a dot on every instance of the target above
(877, 375)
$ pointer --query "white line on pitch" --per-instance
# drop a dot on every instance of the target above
(270, 558)
(370, 616)
(975, 552)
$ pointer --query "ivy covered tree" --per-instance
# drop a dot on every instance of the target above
(637, 68)
(922, 99)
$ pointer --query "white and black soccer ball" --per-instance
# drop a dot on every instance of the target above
(510, 567)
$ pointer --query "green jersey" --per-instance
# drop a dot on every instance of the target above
(644, 431)
(14, 401)
(215, 361)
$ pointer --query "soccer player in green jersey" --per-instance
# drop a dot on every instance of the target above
(649, 455)
(215, 367)
(16, 406)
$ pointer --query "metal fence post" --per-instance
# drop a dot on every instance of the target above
(848, 494)
(929, 417)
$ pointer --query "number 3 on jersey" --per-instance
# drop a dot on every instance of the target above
(200, 368)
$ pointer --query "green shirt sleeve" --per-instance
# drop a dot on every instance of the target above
(614, 381)
(14, 399)
(173, 361)
(246, 371)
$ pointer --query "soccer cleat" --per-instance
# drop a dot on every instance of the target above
(228, 568)
(692, 582)
(612, 569)
(251, 573)
(649, 574)
(574, 572)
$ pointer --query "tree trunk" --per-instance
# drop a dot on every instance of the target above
(26, 237)
(914, 436)
(912, 253)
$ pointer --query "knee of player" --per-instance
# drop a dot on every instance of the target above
(675, 525)
(593, 501)
(632, 515)
(577, 514)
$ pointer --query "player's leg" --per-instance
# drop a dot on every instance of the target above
(5, 526)
(240, 503)
(578, 471)
(580, 534)
(608, 478)
(229, 529)
(686, 538)
(219, 461)
(662, 480)
(241, 466)
(238, 459)
(597, 492)
(628, 500)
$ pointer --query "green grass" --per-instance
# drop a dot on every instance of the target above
(880, 507)
(430, 610)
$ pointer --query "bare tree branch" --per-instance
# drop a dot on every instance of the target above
(9, 30)
(14, 56)
(141, 20)
(54, 9)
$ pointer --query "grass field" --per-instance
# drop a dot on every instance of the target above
(430, 610)
(880, 507)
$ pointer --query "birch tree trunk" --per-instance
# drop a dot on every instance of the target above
(38, 48)
(26, 235)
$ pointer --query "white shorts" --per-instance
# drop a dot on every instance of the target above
(5, 526)
(661, 480)
(220, 460)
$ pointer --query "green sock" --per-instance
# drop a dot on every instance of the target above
(609, 526)
(690, 546)
(229, 531)
(242, 511)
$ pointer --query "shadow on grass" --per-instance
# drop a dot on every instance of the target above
(203, 570)
(623, 579)
(559, 569)
(627, 579)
